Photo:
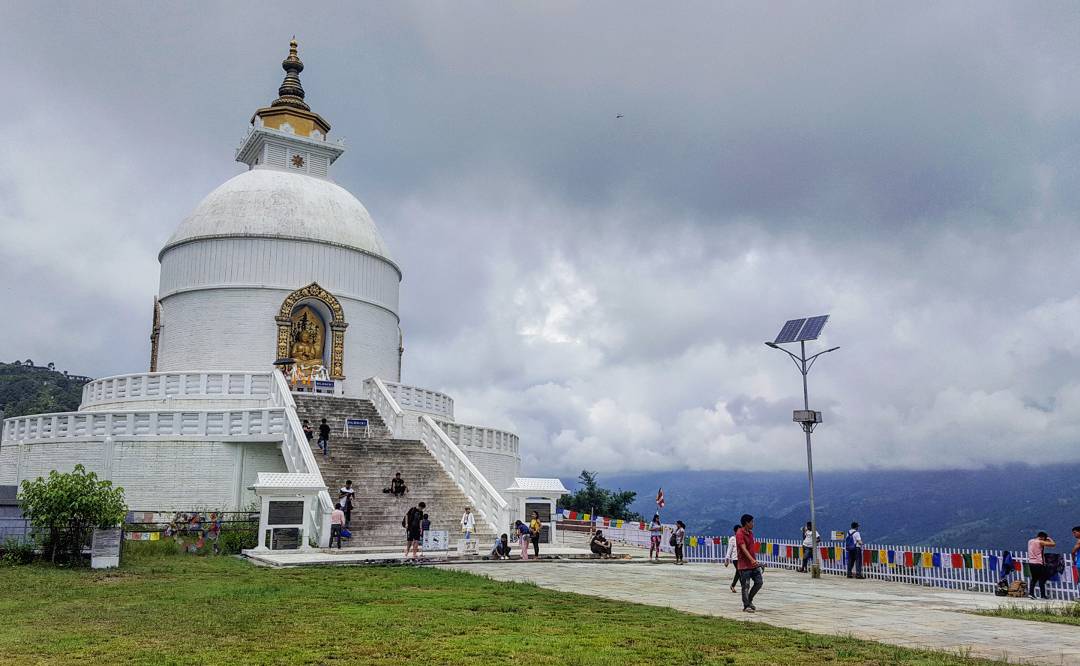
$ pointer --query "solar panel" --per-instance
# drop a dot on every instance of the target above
(789, 332)
(813, 327)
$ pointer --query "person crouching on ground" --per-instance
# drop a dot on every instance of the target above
(501, 549)
(747, 564)
(523, 538)
(656, 531)
(733, 555)
(599, 545)
(337, 523)
(397, 485)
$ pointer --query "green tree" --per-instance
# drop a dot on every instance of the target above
(65, 508)
(591, 498)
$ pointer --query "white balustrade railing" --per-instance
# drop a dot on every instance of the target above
(480, 438)
(299, 458)
(166, 386)
(391, 413)
(419, 399)
(248, 424)
(487, 502)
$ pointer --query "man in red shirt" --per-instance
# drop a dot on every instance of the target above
(747, 564)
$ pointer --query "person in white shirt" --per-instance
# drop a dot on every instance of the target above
(732, 556)
(346, 500)
(853, 545)
(809, 542)
(468, 523)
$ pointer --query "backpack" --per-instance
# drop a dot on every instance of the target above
(1016, 589)
(849, 540)
(1055, 564)
(672, 541)
(1002, 589)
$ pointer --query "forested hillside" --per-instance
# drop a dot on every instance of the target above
(29, 389)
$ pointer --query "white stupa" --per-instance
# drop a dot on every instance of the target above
(278, 264)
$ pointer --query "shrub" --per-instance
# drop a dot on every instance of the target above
(234, 539)
(16, 552)
(65, 508)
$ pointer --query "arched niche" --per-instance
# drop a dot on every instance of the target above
(326, 306)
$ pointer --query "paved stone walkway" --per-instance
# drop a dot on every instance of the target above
(895, 613)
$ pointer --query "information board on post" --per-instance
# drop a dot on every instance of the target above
(105, 548)
(357, 423)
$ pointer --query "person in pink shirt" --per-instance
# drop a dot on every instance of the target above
(337, 523)
(1037, 563)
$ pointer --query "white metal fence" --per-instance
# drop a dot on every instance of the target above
(954, 568)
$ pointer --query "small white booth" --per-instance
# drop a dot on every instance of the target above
(286, 501)
(540, 495)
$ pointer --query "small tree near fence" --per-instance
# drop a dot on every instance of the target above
(65, 508)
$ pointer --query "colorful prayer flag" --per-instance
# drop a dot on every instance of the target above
(660, 498)
(935, 560)
(927, 560)
(968, 561)
(693, 542)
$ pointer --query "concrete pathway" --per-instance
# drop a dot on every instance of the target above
(895, 613)
(358, 556)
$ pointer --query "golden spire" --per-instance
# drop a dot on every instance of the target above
(291, 93)
(289, 112)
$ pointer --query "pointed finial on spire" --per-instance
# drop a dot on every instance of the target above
(291, 93)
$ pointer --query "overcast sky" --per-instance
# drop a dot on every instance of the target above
(601, 285)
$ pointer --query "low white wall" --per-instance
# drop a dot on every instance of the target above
(166, 475)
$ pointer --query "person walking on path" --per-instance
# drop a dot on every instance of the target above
(535, 527)
(468, 523)
(347, 493)
(747, 564)
(853, 546)
(678, 539)
(1040, 573)
(414, 531)
(523, 538)
(324, 438)
(733, 555)
(809, 542)
(308, 432)
(656, 531)
(337, 523)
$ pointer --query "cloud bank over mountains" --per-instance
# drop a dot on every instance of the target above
(600, 285)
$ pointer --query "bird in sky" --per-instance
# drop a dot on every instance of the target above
(619, 116)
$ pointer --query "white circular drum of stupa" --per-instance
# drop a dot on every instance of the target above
(256, 239)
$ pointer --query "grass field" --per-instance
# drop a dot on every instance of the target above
(1057, 614)
(185, 609)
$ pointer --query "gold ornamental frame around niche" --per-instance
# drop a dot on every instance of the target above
(337, 325)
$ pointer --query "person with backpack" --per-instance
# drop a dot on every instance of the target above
(853, 545)
(414, 530)
(810, 539)
(678, 539)
(1040, 572)
(733, 556)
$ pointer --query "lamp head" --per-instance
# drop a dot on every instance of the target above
(772, 344)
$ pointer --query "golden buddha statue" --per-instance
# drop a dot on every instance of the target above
(307, 346)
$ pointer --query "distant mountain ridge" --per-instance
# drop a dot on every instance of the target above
(997, 507)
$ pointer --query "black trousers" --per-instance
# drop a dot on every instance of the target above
(1040, 573)
(335, 533)
(678, 552)
(536, 544)
(854, 560)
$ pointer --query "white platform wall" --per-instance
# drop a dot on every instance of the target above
(163, 475)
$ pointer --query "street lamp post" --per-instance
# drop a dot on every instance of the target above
(802, 330)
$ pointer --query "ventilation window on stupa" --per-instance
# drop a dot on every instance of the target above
(298, 161)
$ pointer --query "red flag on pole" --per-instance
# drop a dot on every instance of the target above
(660, 498)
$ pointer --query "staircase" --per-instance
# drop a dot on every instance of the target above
(370, 462)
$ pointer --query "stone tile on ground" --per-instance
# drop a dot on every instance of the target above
(894, 613)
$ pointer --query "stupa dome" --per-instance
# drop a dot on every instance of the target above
(272, 203)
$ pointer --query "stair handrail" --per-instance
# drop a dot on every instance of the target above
(487, 501)
(389, 409)
(299, 458)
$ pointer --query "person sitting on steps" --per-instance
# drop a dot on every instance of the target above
(599, 545)
(397, 486)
